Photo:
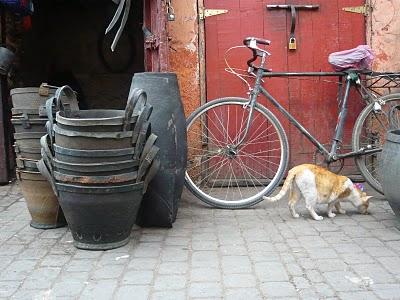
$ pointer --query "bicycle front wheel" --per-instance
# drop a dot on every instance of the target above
(370, 133)
(224, 174)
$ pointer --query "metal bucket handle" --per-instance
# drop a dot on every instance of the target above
(133, 105)
(70, 94)
(394, 121)
(50, 122)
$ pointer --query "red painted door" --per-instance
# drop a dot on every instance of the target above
(313, 101)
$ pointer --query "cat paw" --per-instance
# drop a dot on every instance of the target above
(331, 215)
(341, 211)
(318, 218)
(296, 216)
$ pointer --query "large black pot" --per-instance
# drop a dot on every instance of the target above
(390, 166)
(161, 200)
(100, 218)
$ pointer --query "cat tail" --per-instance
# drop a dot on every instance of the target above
(285, 188)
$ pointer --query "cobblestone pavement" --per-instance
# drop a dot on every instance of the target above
(259, 253)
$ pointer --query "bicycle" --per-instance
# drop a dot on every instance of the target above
(239, 150)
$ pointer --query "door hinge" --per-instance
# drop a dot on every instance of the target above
(205, 13)
(363, 9)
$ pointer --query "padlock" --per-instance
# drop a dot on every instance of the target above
(292, 43)
(171, 17)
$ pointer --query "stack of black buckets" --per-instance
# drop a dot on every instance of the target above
(93, 166)
(29, 119)
(96, 166)
(99, 163)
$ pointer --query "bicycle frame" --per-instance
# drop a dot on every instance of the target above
(352, 79)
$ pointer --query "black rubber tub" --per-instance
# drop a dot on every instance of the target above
(168, 122)
(104, 168)
(29, 124)
(100, 218)
(390, 169)
(89, 140)
(92, 156)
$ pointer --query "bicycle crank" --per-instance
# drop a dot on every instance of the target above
(334, 166)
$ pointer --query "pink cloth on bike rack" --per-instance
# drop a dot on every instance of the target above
(359, 58)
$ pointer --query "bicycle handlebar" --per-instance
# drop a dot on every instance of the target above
(251, 43)
(247, 41)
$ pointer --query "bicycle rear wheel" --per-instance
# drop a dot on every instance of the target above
(223, 175)
(370, 132)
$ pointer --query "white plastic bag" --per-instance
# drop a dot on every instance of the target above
(359, 58)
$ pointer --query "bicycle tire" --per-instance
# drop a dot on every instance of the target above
(199, 121)
(370, 170)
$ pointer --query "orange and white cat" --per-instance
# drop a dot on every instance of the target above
(317, 185)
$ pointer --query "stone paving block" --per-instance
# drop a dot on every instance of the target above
(173, 268)
(18, 270)
(138, 263)
(392, 264)
(322, 253)
(375, 272)
(55, 260)
(379, 252)
(370, 241)
(205, 274)
(387, 291)
(129, 292)
(233, 250)
(173, 253)
(108, 272)
(205, 258)
(271, 271)
(312, 242)
(261, 256)
(356, 258)
(147, 250)
(68, 288)
(314, 276)
(387, 234)
(99, 289)
(243, 294)
(301, 282)
(42, 278)
(344, 281)
(7, 288)
(87, 254)
(236, 264)
(278, 289)
(336, 264)
(395, 245)
(239, 280)
(32, 294)
(323, 290)
(206, 290)
(204, 245)
(294, 269)
(358, 295)
(168, 295)
(261, 246)
(177, 241)
(80, 265)
(210, 236)
(10, 249)
(169, 282)
(138, 277)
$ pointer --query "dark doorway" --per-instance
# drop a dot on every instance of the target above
(66, 45)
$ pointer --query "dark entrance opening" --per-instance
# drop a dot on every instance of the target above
(66, 45)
